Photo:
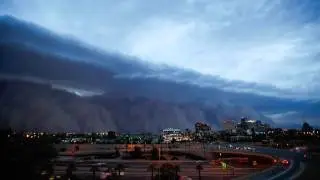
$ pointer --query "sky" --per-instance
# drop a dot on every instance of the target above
(274, 43)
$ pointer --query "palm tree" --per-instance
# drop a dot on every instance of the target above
(109, 170)
(199, 169)
(155, 153)
(127, 143)
(94, 169)
(117, 152)
(70, 169)
(176, 170)
(168, 171)
(152, 168)
(119, 168)
(174, 158)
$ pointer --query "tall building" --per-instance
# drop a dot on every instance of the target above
(202, 127)
(203, 131)
(229, 125)
(252, 127)
(244, 123)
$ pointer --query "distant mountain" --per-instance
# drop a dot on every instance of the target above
(27, 50)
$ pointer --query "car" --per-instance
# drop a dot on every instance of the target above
(284, 162)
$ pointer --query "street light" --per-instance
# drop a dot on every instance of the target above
(159, 160)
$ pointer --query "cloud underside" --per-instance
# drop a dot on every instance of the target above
(268, 47)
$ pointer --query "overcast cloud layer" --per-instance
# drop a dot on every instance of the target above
(273, 43)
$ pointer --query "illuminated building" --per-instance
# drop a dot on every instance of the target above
(171, 134)
(171, 131)
(252, 127)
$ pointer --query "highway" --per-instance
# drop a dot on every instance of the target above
(139, 169)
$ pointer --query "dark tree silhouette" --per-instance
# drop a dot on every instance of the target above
(127, 140)
(119, 168)
(199, 169)
(117, 152)
(174, 158)
(155, 153)
(168, 171)
(152, 168)
(176, 170)
(94, 169)
(30, 156)
(76, 149)
(69, 171)
(136, 153)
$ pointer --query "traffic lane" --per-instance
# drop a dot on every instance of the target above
(148, 174)
(146, 165)
(258, 149)
(132, 163)
(279, 152)
(188, 171)
(226, 177)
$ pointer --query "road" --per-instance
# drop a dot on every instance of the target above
(138, 168)
(294, 157)
(189, 169)
(279, 172)
(186, 169)
(311, 169)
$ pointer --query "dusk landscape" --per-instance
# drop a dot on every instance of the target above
(217, 76)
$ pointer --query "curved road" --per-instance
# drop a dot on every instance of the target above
(278, 172)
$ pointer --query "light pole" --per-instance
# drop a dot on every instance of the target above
(204, 148)
(159, 162)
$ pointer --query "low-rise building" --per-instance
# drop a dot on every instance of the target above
(172, 134)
